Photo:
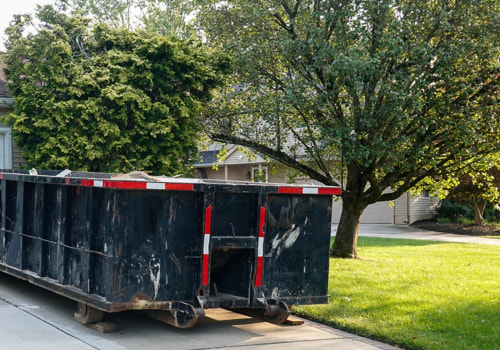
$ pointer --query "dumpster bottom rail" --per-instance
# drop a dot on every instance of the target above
(273, 311)
(182, 315)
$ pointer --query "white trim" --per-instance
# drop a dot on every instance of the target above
(7, 147)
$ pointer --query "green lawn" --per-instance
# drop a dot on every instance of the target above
(416, 294)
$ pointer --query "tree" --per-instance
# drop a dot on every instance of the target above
(102, 99)
(369, 94)
(166, 17)
(476, 187)
(477, 190)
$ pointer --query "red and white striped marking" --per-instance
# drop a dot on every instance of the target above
(138, 185)
(260, 248)
(206, 245)
(310, 190)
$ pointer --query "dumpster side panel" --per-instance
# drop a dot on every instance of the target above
(158, 246)
(13, 223)
(101, 243)
(32, 253)
(54, 225)
(296, 249)
(77, 238)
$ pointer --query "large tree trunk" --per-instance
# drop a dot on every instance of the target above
(353, 205)
(478, 212)
(346, 238)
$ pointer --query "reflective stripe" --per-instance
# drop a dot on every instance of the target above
(310, 190)
(131, 185)
(296, 190)
(204, 278)
(335, 190)
(87, 183)
(258, 277)
(136, 185)
(179, 187)
(206, 245)
(155, 186)
(260, 248)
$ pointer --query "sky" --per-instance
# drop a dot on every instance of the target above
(14, 7)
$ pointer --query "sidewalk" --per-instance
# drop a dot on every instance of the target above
(409, 232)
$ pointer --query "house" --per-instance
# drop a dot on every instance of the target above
(9, 154)
(241, 165)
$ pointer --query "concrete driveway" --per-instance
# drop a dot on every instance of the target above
(34, 319)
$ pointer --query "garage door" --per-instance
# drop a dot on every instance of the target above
(377, 213)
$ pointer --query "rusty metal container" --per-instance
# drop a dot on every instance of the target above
(172, 247)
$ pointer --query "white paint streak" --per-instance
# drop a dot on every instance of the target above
(292, 237)
(154, 274)
(288, 239)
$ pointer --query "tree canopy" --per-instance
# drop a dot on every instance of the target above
(375, 95)
(91, 97)
(166, 17)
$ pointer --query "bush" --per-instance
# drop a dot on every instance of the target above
(454, 211)
(491, 214)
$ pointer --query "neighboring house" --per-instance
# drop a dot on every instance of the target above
(8, 153)
(238, 166)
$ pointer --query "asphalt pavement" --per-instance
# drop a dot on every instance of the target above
(32, 318)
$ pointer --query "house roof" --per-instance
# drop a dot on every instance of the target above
(207, 158)
(234, 156)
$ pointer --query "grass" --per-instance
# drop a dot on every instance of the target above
(416, 294)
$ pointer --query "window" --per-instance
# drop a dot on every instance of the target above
(259, 174)
(5, 148)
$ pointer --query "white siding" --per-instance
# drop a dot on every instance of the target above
(401, 210)
(422, 208)
(377, 213)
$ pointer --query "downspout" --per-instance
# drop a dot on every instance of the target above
(408, 210)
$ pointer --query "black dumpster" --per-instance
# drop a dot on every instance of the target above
(172, 247)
